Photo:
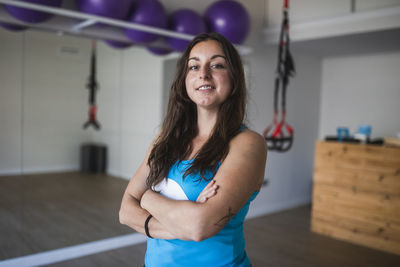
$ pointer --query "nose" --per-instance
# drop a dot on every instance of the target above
(205, 72)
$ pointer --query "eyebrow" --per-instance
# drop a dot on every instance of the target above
(213, 57)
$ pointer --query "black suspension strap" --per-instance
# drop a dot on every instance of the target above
(279, 134)
(92, 85)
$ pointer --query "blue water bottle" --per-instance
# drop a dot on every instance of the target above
(342, 132)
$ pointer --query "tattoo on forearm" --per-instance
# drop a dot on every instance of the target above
(224, 220)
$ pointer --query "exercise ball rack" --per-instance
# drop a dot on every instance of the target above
(72, 22)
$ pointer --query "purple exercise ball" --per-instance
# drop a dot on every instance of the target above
(32, 16)
(107, 8)
(184, 21)
(149, 13)
(12, 27)
(228, 18)
(158, 50)
(118, 44)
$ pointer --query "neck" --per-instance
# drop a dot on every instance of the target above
(206, 120)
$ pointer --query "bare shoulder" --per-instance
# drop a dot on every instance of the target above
(245, 161)
(249, 141)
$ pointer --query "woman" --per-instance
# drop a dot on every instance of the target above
(192, 191)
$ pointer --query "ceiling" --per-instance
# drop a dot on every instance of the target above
(354, 33)
(352, 44)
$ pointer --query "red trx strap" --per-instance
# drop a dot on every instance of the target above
(279, 134)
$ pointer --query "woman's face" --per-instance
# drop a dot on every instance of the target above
(208, 83)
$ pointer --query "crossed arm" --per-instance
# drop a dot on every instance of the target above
(240, 174)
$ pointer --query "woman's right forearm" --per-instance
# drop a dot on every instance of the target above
(132, 215)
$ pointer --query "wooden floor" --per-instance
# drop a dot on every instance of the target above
(50, 211)
(45, 212)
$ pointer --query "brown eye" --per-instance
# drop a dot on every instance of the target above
(218, 66)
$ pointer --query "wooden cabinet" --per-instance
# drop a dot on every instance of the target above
(356, 194)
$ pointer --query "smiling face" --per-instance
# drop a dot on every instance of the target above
(208, 83)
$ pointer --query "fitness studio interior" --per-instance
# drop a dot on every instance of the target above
(84, 88)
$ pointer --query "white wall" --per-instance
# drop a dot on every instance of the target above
(10, 102)
(141, 107)
(42, 101)
(54, 101)
(289, 174)
(361, 89)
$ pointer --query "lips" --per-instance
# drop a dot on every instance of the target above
(206, 87)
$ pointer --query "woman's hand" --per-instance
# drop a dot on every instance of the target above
(208, 192)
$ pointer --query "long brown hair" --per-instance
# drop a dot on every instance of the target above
(180, 124)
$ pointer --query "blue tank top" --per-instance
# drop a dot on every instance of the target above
(226, 248)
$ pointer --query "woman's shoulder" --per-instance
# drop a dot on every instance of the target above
(249, 139)
(249, 135)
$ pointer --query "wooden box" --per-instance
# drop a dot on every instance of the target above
(356, 194)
